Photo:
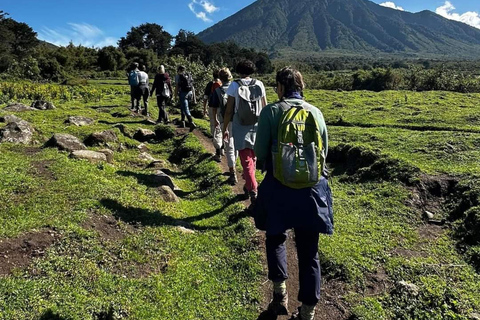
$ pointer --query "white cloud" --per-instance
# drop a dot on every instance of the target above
(391, 5)
(470, 17)
(205, 8)
(79, 34)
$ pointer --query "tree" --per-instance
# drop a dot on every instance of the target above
(147, 36)
(188, 44)
(111, 58)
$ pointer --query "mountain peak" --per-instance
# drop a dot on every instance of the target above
(349, 26)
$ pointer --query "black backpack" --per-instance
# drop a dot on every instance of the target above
(186, 82)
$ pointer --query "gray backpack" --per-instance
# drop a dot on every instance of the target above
(249, 102)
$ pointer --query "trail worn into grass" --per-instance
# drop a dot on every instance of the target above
(331, 305)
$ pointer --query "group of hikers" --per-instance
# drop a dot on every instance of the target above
(286, 139)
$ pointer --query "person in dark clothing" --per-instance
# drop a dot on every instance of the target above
(162, 84)
(308, 211)
(133, 82)
(184, 91)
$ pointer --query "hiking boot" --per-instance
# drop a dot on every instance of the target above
(182, 124)
(193, 126)
(297, 315)
(245, 194)
(232, 179)
(217, 158)
(279, 305)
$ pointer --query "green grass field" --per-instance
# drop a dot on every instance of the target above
(146, 267)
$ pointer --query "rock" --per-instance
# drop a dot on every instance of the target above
(428, 215)
(108, 153)
(158, 164)
(475, 316)
(101, 138)
(80, 121)
(124, 130)
(64, 141)
(92, 156)
(18, 107)
(144, 135)
(408, 287)
(167, 194)
(146, 157)
(164, 179)
(19, 131)
(142, 147)
(185, 230)
(42, 105)
(10, 118)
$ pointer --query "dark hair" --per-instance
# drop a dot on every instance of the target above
(134, 65)
(245, 67)
(291, 79)
(215, 73)
(225, 75)
(142, 67)
(181, 68)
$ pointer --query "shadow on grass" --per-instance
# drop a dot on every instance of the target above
(153, 181)
(267, 315)
(50, 315)
(144, 122)
(132, 215)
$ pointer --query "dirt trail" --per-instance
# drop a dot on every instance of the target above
(331, 306)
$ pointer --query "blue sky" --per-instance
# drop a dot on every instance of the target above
(102, 22)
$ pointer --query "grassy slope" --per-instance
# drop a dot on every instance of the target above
(155, 271)
(214, 273)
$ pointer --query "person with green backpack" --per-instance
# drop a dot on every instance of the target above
(291, 146)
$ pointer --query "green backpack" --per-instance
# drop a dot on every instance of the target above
(299, 147)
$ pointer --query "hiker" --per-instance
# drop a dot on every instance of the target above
(162, 84)
(215, 129)
(133, 82)
(246, 98)
(218, 105)
(292, 146)
(209, 89)
(184, 91)
(143, 89)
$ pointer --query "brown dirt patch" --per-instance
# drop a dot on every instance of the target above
(107, 227)
(42, 169)
(378, 283)
(18, 252)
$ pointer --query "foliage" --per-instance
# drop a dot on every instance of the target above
(147, 36)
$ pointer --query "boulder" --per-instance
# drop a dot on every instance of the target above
(185, 230)
(19, 131)
(18, 107)
(101, 138)
(164, 179)
(92, 156)
(127, 132)
(42, 105)
(144, 135)
(64, 141)
(9, 118)
(142, 147)
(167, 194)
(108, 153)
(158, 164)
(80, 121)
(164, 132)
(408, 287)
(144, 156)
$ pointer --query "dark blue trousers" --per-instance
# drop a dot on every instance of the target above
(308, 263)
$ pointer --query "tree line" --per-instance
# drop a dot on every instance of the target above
(22, 55)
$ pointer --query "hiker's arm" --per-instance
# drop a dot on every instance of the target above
(214, 117)
(205, 101)
(228, 113)
(263, 139)
(153, 86)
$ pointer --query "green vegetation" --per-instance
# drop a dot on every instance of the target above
(393, 156)
(141, 266)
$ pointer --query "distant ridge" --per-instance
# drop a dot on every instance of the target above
(345, 26)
